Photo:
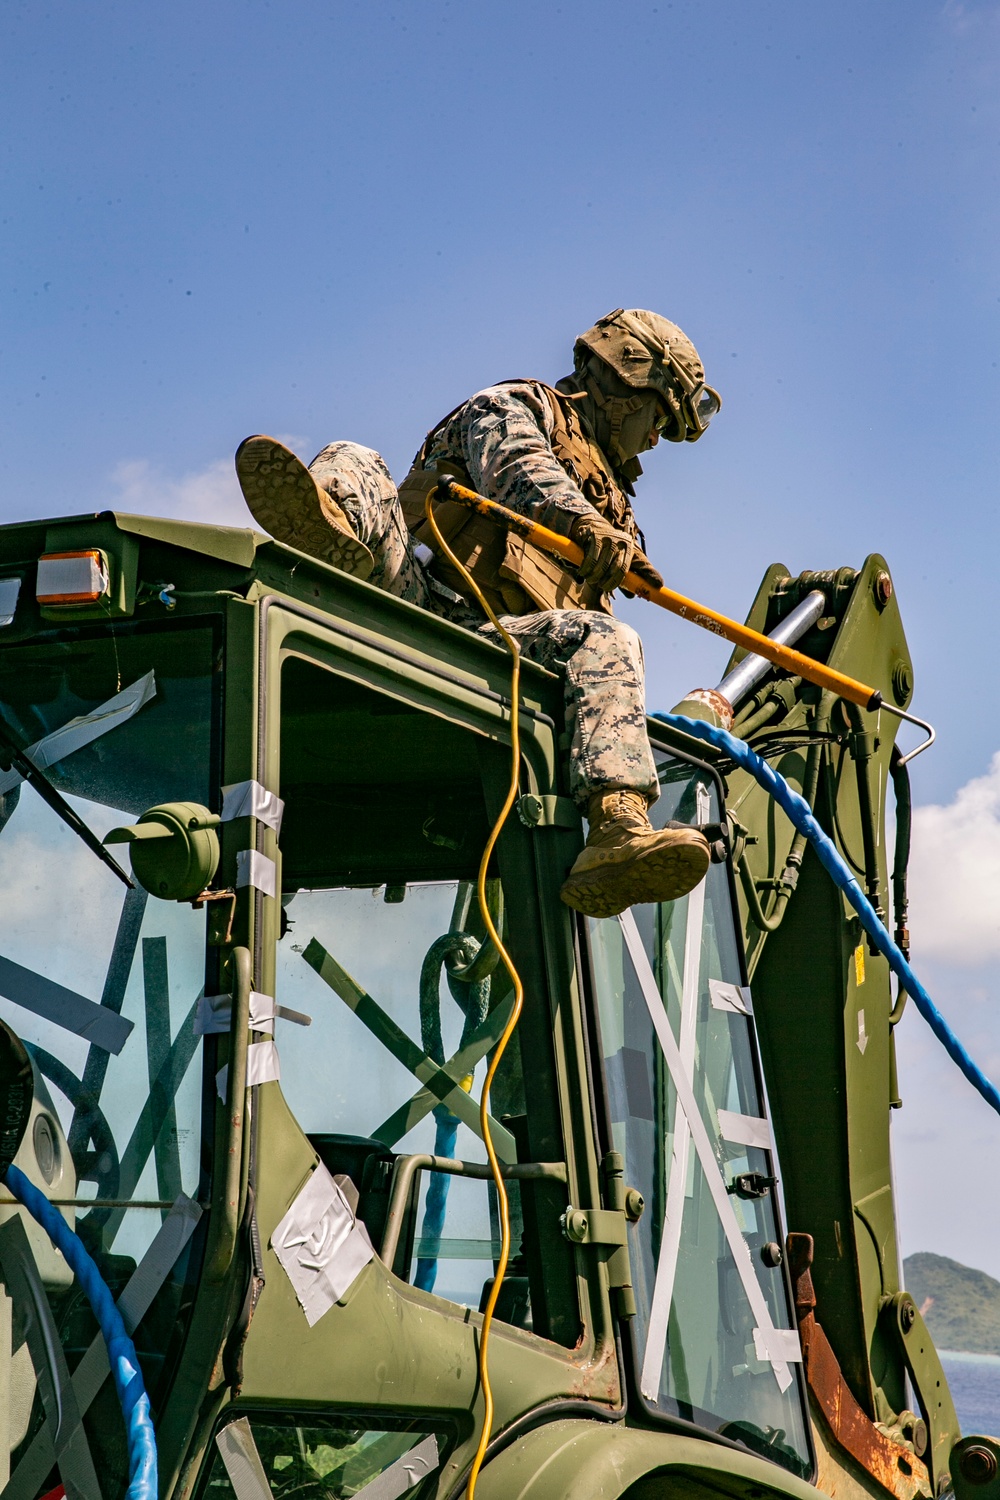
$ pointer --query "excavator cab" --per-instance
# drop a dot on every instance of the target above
(256, 1069)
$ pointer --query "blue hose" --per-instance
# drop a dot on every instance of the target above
(801, 816)
(121, 1351)
(473, 1000)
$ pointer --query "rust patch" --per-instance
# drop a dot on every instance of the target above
(715, 701)
(599, 1380)
(894, 1466)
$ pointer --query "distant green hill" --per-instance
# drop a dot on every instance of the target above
(961, 1306)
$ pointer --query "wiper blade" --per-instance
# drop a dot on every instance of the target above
(12, 757)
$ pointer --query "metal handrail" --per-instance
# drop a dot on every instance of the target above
(407, 1167)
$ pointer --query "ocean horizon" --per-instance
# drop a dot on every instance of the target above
(975, 1388)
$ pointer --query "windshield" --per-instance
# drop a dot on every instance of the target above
(101, 984)
(714, 1335)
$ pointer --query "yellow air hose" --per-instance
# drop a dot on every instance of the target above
(508, 1032)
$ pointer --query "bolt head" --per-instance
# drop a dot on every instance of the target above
(634, 1205)
(902, 683)
(882, 589)
(575, 1225)
(771, 1255)
(978, 1464)
(907, 1316)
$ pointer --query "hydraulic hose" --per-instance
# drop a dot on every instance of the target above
(515, 1015)
(801, 816)
(124, 1362)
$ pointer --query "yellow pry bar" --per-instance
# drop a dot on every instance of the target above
(688, 609)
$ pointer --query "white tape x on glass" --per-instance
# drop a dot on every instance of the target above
(709, 1166)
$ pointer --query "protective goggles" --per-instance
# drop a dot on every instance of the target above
(684, 416)
(700, 407)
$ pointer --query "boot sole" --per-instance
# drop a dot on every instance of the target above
(662, 875)
(285, 499)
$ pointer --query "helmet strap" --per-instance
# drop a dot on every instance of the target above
(614, 410)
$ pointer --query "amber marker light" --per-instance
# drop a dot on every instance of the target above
(72, 577)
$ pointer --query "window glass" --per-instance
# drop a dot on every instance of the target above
(101, 985)
(317, 1459)
(349, 1076)
(671, 1008)
(384, 949)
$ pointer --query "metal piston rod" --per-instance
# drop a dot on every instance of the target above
(744, 677)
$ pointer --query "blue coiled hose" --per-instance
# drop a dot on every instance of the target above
(800, 814)
(122, 1357)
(473, 999)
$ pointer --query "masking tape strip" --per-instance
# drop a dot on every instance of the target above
(703, 1146)
(255, 869)
(405, 1474)
(402, 1120)
(412, 1057)
(777, 1345)
(248, 799)
(734, 997)
(93, 1369)
(678, 1178)
(97, 1024)
(85, 729)
(214, 1014)
(744, 1130)
(34, 1322)
(321, 1245)
(263, 1066)
(242, 1461)
(151, 1120)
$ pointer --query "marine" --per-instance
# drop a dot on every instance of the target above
(566, 456)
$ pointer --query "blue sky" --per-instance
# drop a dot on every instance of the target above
(332, 220)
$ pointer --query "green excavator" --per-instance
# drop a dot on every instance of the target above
(249, 998)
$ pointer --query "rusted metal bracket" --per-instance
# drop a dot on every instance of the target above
(220, 918)
(894, 1465)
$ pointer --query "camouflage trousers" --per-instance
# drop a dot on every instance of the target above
(600, 658)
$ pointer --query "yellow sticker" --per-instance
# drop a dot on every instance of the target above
(859, 964)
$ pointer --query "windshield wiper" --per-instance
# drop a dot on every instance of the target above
(12, 757)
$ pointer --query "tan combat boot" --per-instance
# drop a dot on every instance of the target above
(625, 861)
(286, 500)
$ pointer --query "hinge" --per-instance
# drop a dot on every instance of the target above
(607, 1228)
(594, 1226)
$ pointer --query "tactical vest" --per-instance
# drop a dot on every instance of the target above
(517, 578)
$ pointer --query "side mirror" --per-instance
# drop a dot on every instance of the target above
(175, 849)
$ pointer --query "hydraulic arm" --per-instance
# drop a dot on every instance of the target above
(825, 1012)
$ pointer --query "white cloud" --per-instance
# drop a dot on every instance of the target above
(211, 495)
(955, 874)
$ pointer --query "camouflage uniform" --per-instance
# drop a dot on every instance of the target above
(504, 446)
(502, 437)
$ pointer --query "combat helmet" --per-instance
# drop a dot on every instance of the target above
(649, 353)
